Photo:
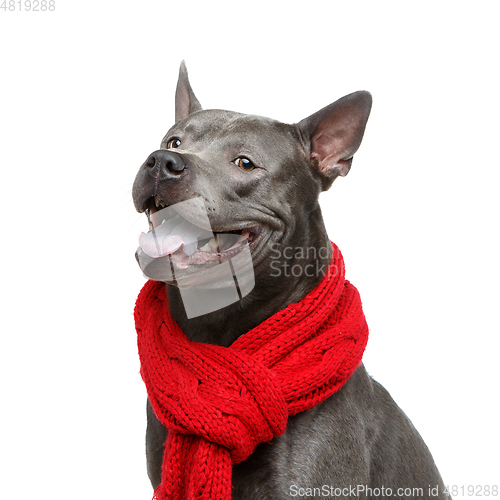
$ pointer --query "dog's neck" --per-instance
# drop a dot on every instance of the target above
(224, 326)
(269, 296)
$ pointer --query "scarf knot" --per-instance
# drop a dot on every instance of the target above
(222, 395)
(218, 403)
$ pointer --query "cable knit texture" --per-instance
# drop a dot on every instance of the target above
(218, 403)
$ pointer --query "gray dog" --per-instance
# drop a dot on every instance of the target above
(265, 176)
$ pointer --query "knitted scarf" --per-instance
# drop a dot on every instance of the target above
(218, 403)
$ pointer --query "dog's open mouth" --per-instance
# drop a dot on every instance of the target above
(189, 242)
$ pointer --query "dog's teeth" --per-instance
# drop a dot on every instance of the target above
(159, 202)
(210, 246)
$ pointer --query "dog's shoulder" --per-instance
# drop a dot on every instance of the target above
(341, 442)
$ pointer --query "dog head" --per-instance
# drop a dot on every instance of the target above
(258, 179)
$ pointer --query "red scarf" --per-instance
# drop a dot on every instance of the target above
(218, 403)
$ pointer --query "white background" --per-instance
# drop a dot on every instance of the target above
(87, 93)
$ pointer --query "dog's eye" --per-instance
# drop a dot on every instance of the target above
(173, 143)
(244, 163)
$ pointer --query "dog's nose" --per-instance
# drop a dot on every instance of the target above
(164, 164)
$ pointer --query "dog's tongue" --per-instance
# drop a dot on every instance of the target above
(159, 247)
(170, 236)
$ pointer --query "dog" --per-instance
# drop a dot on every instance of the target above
(265, 176)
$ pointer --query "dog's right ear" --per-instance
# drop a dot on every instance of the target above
(332, 135)
(185, 100)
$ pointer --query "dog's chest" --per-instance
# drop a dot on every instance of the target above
(322, 446)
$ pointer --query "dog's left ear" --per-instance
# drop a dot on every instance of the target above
(185, 100)
(332, 135)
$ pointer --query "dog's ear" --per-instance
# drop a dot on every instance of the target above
(185, 100)
(332, 135)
